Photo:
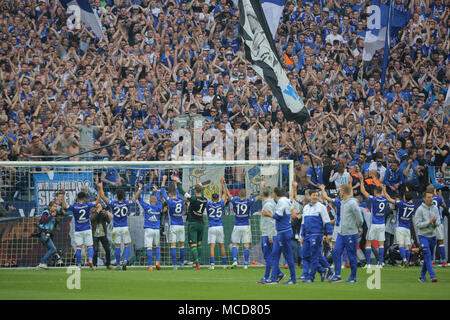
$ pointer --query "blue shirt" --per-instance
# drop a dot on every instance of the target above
(112, 175)
(152, 212)
(337, 203)
(176, 208)
(411, 175)
(438, 202)
(392, 177)
(81, 213)
(378, 209)
(405, 213)
(319, 173)
(241, 209)
(282, 215)
(120, 211)
(215, 211)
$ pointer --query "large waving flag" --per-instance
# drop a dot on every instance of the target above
(377, 26)
(82, 10)
(260, 50)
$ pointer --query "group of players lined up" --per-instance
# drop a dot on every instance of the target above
(427, 219)
(351, 213)
(175, 198)
(276, 231)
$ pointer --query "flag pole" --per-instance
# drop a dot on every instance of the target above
(387, 45)
(309, 153)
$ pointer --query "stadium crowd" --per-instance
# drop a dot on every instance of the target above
(65, 91)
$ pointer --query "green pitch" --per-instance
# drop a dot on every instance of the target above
(204, 284)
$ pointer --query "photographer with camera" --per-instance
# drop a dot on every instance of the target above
(100, 218)
(46, 226)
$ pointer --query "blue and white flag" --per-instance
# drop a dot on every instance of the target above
(82, 11)
(377, 26)
(273, 10)
(260, 50)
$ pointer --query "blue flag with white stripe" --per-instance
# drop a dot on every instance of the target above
(82, 11)
(273, 10)
(377, 25)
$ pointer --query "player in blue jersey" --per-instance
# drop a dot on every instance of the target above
(152, 216)
(377, 227)
(176, 224)
(405, 212)
(214, 211)
(120, 234)
(241, 230)
(441, 205)
(81, 212)
(282, 243)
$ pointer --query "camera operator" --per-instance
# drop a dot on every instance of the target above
(100, 218)
(46, 226)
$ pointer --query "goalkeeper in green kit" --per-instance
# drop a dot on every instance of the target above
(197, 205)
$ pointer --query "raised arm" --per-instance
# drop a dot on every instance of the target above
(362, 188)
(324, 194)
(388, 198)
(163, 188)
(138, 193)
(226, 196)
(63, 200)
(293, 194)
(101, 193)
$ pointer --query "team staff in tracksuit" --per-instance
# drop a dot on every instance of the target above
(315, 220)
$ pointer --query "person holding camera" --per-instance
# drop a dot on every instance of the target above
(46, 226)
(100, 218)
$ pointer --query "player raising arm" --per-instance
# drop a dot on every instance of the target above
(241, 230)
(377, 227)
(176, 225)
(405, 212)
(81, 211)
(152, 216)
(214, 210)
(197, 205)
(120, 209)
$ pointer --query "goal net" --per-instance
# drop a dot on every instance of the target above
(30, 186)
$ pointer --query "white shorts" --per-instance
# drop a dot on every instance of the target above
(176, 234)
(151, 237)
(119, 234)
(241, 234)
(336, 230)
(403, 236)
(440, 232)
(215, 234)
(83, 238)
(376, 232)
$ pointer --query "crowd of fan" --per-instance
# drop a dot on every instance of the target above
(65, 91)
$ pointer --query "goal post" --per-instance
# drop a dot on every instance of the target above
(30, 185)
